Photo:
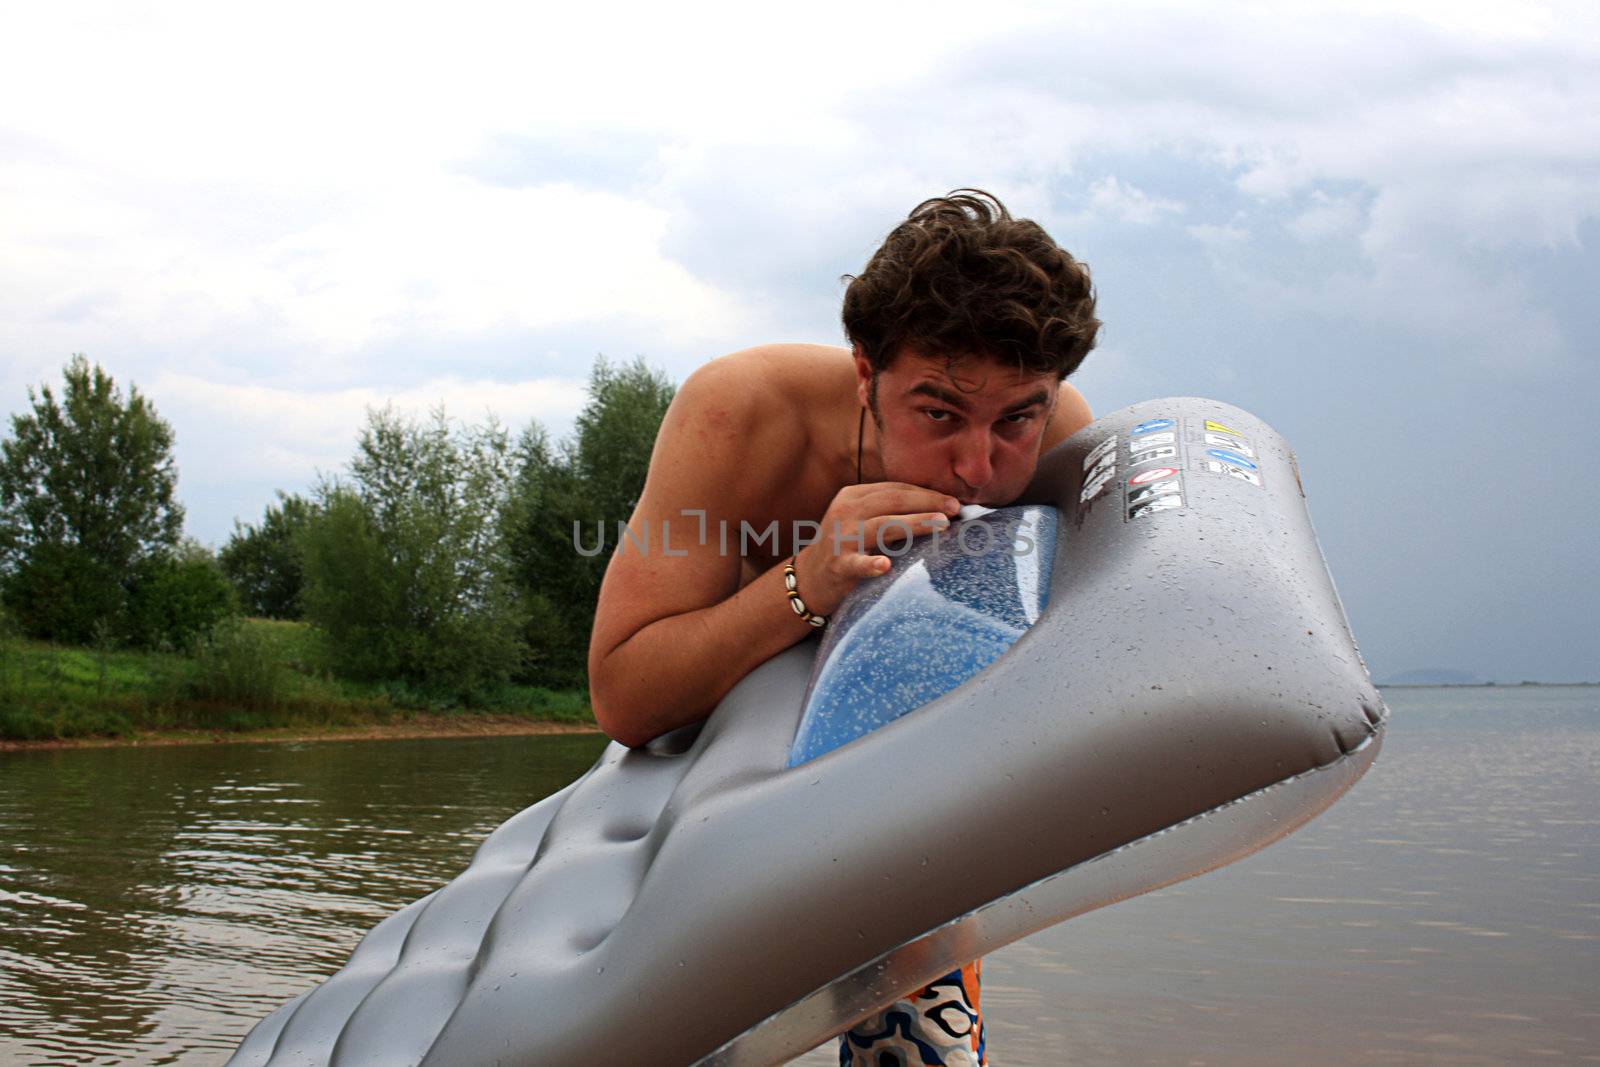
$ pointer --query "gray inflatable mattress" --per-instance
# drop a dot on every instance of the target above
(1137, 674)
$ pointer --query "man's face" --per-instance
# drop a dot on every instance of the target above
(971, 428)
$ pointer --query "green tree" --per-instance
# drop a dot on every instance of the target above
(60, 592)
(263, 562)
(593, 478)
(556, 583)
(177, 598)
(86, 497)
(352, 590)
(405, 571)
(616, 432)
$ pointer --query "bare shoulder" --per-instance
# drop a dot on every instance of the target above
(749, 404)
(727, 448)
(1071, 415)
(771, 372)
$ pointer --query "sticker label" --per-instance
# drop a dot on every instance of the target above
(1094, 488)
(1230, 457)
(1100, 451)
(1151, 454)
(1155, 474)
(1145, 492)
(1217, 427)
(1234, 443)
(1152, 426)
(1106, 467)
(1235, 471)
(1160, 503)
(1152, 440)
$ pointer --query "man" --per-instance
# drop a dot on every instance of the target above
(963, 327)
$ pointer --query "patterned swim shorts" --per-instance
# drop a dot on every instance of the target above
(937, 1026)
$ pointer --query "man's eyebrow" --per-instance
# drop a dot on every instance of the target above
(957, 401)
(944, 396)
(1041, 397)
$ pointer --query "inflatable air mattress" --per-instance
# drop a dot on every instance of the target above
(1137, 674)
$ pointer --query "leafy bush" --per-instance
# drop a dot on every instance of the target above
(174, 600)
(263, 562)
(405, 571)
(238, 665)
(351, 593)
(24, 723)
(62, 592)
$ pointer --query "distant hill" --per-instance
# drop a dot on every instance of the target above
(1434, 676)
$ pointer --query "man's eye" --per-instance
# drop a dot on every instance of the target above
(1018, 418)
(937, 414)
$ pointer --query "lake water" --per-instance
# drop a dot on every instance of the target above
(156, 902)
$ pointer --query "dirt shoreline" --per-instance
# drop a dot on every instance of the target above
(420, 727)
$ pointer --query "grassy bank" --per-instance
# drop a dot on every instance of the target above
(260, 675)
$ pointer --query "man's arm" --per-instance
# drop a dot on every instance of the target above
(673, 633)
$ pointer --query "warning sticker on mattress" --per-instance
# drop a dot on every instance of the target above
(1102, 471)
(1154, 489)
(1152, 426)
(1100, 451)
(1160, 503)
(1217, 427)
(1236, 444)
(1150, 455)
(1233, 470)
(1230, 457)
(1155, 474)
(1094, 487)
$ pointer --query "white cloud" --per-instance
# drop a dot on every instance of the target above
(1217, 237)
(430, 256)
(220, 425)
(1328, 217)
(1110, 199)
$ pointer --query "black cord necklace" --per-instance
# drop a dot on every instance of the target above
(861, 430)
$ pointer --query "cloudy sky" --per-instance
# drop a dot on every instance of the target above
(1375, 225)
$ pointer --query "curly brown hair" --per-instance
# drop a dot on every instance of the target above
(961, 277)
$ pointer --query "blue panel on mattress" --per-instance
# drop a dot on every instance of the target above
(947, 610)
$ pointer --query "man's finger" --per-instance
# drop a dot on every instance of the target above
(861, 565)
(888, 529)
(904, 498)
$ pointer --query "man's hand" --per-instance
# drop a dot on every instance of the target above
(861, 521)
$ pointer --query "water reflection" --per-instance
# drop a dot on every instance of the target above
(154, 903)
(1446, 911)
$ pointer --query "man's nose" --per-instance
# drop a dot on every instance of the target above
(973, 462)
